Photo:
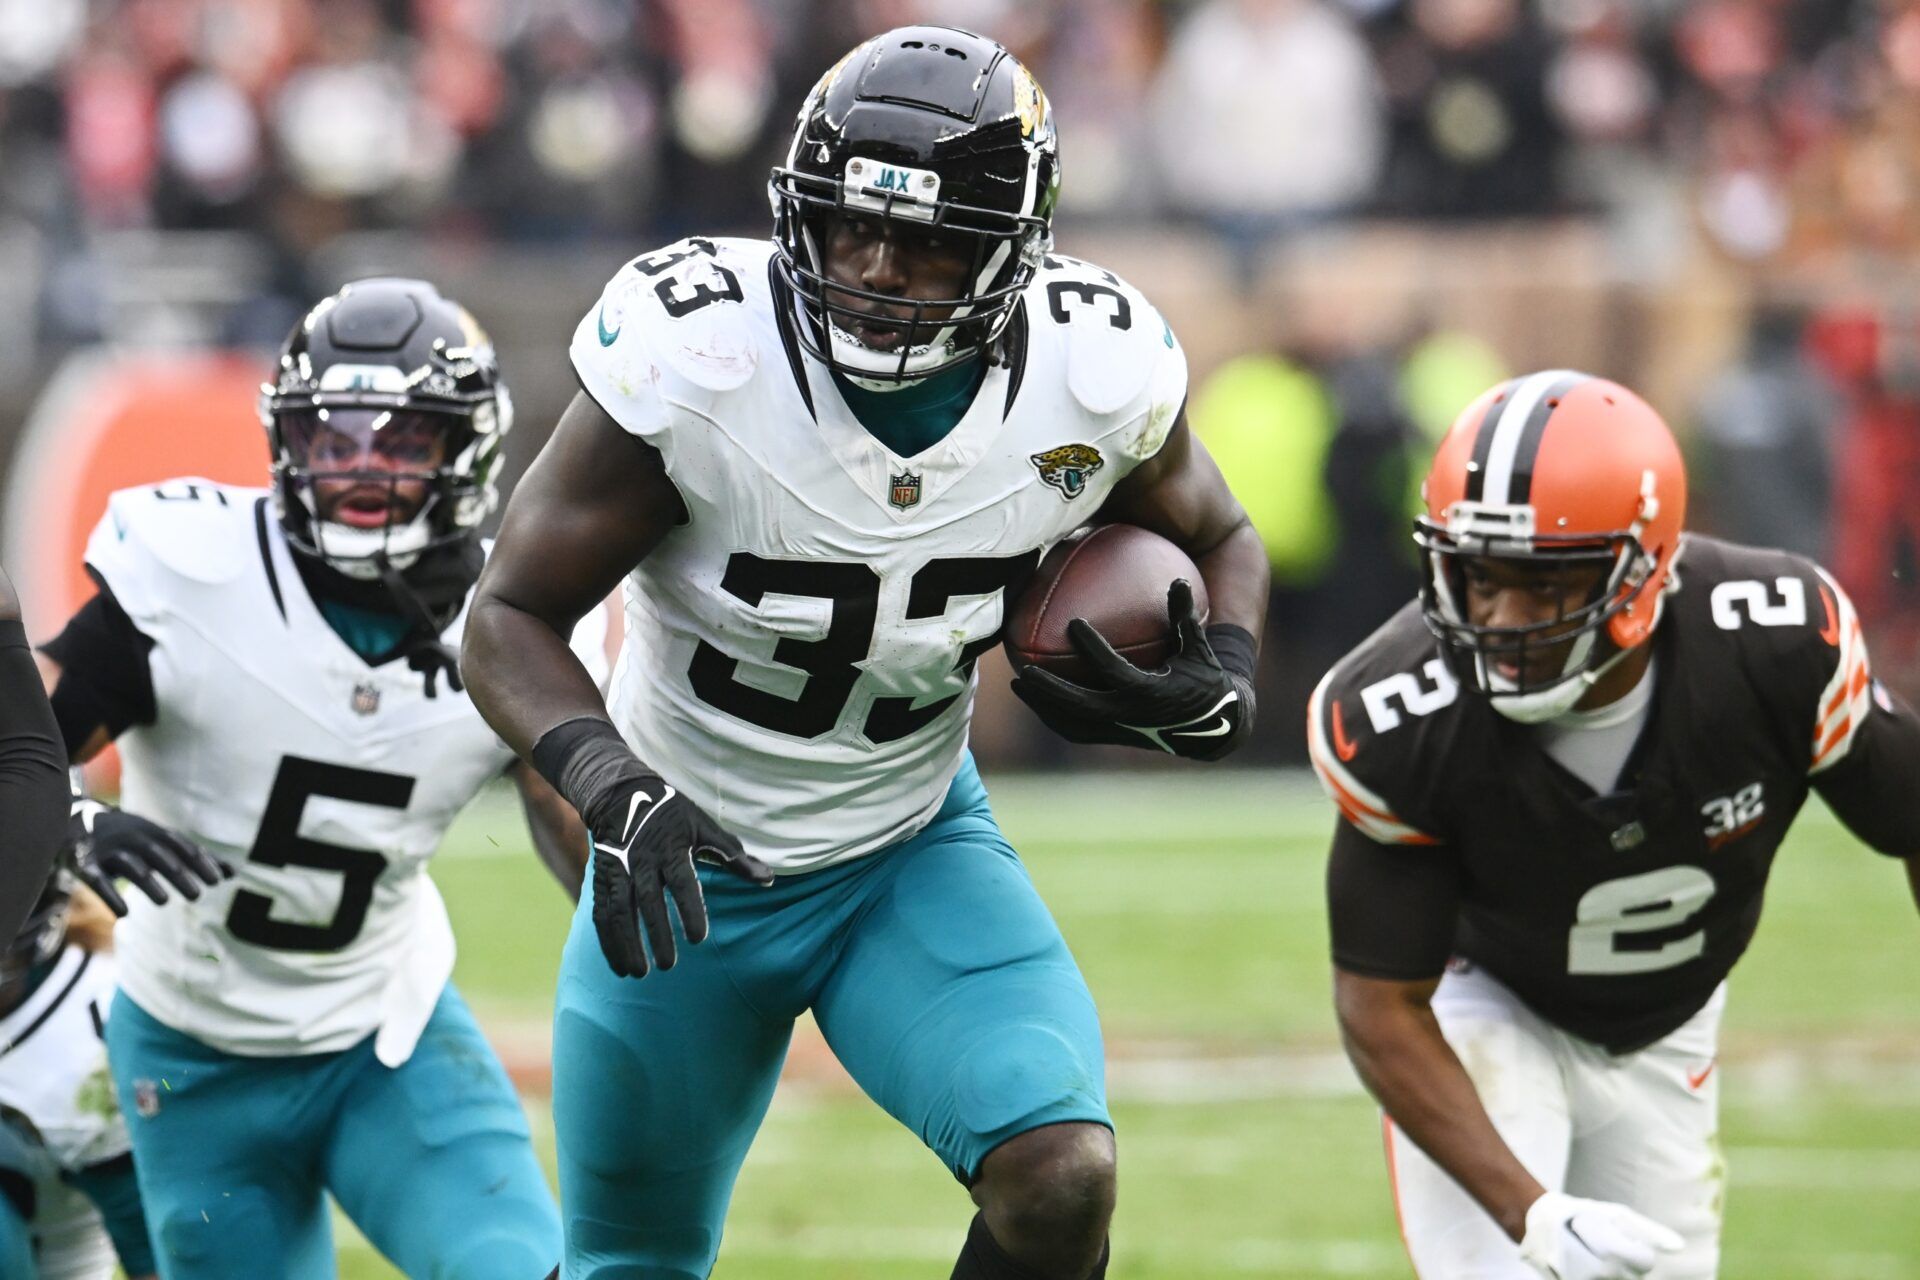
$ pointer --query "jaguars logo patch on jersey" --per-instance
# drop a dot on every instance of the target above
(1068, 467)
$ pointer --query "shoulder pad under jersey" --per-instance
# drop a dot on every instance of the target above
(683, 308)
(1795, 632)
(1379, 729)
(187, 528)
(1122, 360)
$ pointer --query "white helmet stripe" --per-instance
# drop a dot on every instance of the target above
(1510, 427)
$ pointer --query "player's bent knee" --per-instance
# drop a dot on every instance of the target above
(1057, 1182)
(499, 1255)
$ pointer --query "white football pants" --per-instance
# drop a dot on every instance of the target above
(1641, 1129)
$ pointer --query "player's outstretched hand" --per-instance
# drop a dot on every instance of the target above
(1192, 707)
(1573, 1239)
(644, 848)
(110, 844)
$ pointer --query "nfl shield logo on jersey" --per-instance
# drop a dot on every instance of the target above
(366, 698)
(903, 490)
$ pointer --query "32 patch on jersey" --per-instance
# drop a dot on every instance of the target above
(1732, 816)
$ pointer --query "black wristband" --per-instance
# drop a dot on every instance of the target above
(590, 764)
(1235, 648)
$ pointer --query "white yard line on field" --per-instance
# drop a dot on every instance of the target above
(1257, 1256)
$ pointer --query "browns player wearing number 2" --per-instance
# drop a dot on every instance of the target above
(824, 466)
(277, 667)
(1562, 776)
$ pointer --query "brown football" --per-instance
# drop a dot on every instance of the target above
(1116, 577)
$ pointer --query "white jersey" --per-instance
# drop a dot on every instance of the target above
(59, 1099)
(327, 783)
(800, 652)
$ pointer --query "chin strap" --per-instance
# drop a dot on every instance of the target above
(422, 648)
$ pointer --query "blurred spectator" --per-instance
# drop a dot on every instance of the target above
(1763, 443)
(1873, 352)
(1268, 422)
(1267, 115)
(1472, 135)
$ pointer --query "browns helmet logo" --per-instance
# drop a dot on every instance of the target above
(1068, 467)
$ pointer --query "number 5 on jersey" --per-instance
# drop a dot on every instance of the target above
(280, 844)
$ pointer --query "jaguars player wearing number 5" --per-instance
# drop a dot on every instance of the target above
(824, 467)
(1562, 775)
(278, 668)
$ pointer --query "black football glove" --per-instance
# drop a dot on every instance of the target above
(646, 838)
(110, 844)
(1194, 706)
(644, 851)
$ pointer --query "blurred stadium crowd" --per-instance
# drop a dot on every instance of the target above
(1790, 121)
(1715, 199)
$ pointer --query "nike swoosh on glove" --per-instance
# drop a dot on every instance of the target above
(1193, 707)
(644, 848)
(110, 844)
(1573, 1239)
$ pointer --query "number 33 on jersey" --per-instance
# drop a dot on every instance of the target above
(808, 635)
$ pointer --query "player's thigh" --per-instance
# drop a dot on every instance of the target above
(226, 1152)
(659, 1084)
(16, 1234)
(955, 1003)
(1650, 1139)
(1514, 1061)
(434, 1163)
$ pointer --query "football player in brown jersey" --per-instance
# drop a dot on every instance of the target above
(1562, 776)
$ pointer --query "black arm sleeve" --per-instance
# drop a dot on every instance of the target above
(1391, 910)
(33, 781)
(105, 681)
(1875, 789)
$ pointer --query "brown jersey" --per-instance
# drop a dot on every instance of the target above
(1613, 916)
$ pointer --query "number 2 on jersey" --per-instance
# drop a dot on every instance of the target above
(1648, 903)
(280, 844)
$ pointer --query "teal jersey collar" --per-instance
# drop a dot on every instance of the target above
(915, 417)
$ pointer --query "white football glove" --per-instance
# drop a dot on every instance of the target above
(1573, 1239)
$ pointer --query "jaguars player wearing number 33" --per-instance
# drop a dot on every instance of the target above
(825, 467)
(278, 669)
(1562, 776)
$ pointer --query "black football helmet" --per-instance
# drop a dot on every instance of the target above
(387, 367)
(938, 128)
(39, 939)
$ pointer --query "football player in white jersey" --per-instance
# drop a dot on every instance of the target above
(825, 466)
(278, 668)
(69, 1203)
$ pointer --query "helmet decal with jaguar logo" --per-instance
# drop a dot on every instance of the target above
(1068, 467)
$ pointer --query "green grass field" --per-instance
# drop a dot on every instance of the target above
(1247, 1149)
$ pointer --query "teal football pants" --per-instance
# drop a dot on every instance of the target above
(21, 1165)
(935, 973)
(431, 1159)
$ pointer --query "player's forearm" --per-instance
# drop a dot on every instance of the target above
(33, 781)
(522, 674)
(559, 837)
(1236, 572)
(1405, 1062)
